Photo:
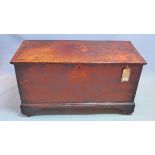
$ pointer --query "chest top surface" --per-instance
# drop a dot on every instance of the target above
(76, 51)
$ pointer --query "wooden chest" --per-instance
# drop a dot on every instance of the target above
(79, 75)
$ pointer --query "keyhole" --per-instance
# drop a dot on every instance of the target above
(78, 66)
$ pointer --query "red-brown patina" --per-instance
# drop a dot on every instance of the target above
(76, 74)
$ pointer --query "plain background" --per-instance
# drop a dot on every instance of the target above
(79, 17)
(145, 98)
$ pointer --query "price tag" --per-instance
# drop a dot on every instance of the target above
(125, 75)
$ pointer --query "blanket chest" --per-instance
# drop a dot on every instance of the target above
(72, 74)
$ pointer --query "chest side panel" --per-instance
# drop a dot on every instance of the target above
(52, 83)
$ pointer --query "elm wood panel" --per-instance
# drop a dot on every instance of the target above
(71, 51)
(53, 83)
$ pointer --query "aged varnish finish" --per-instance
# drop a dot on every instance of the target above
(79, 75)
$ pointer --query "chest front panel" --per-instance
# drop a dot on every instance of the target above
(54, 83)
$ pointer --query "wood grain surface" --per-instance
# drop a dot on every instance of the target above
(50, 83)
(77, 74)
(77, 52)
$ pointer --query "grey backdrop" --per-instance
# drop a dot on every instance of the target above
(145, 96)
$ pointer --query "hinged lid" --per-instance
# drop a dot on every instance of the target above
(74, 51)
